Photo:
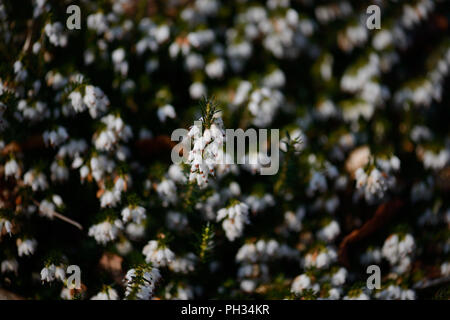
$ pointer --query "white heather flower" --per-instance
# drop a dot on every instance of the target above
(234, 189)
(176, 221)
(247, 253)
(234, 218)
(194, 62)
(20, 71)
(354, 109)
(55, 34)
(73, 149)
(374, 185)
(180, 292)
(124, 247)
(325, 109)
(12, 169)
(257, 203)
(48, 273)
(298, 140)
(106, 140)
(255, 272)
(165, 112)
(360, 296)
(115, 131)
(329, 232)
(36, 180)
(242, 93)
(67, 294)
(436, 161)
(274, 80)
(398, 252)
(142, 283)
(98, 22)
(248, 285)
(121, 183)
(60, 274)
(47, 209)
(176, 173)
(320, 259)
(263, 105)
(35, 112)
(317, 183)
(338, 279)
(110, 198)
(201, 38)
(373, 255)
(353, 36)
(389, 165)
(135, 231)
(293, 220)
(26, 247)
(162, 33)
(58, 171)
(76, 100)
(84, 172)
(445, 269)
(100, 165)
(107, 294)
(105, 231)
(7, 224)
(301, 283)
(135, 213)
(167, 192)
(382, 39)
(120, 64)
(55, 137)
(420, 134)
(334, 294)
(215, 69)
(183, 264)
(197, 90)
(56, 80)
(267, 250)
(393, 292)
(207, 151)
(354, 79)
(10, 265)
(159, 255)
(96, 101)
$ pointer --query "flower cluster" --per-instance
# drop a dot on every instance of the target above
(207, 139)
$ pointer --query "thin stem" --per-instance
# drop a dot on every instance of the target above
(62, 217)
(68, 220)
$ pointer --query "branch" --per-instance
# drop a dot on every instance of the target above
(34, 142)
(428, 283)
(382, 215)
(68, 220)
(62, 217)
(148, 148)
(8, 295)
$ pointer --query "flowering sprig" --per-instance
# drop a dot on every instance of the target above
(141, 282)
(208, 139)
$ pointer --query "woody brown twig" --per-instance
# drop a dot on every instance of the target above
(62, 217)
(382, 215)
(34, 142)
(157, 146)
